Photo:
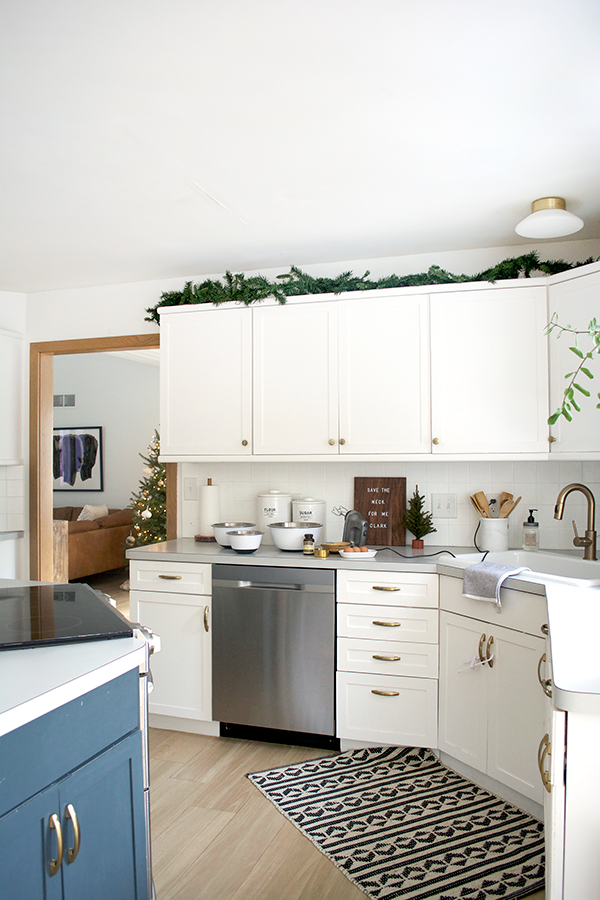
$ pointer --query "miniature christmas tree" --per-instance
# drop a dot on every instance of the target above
(418, 522)
(150, 504)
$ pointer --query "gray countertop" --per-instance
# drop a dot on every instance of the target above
(11, 535)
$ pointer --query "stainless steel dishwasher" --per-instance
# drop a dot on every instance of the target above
(273, 639)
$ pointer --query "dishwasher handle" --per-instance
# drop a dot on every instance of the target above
(272, 586)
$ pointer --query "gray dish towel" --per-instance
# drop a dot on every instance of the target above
(484, 580)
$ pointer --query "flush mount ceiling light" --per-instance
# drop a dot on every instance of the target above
(549, 219)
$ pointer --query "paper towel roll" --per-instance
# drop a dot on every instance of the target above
(209, 507)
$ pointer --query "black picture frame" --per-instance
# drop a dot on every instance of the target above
(77, 459)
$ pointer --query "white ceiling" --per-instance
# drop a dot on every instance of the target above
(148, 139)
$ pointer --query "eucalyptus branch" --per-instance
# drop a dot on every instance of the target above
(569, 403)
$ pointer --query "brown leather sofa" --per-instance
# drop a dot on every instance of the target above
(86, 548)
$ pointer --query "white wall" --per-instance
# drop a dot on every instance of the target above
(121, 396)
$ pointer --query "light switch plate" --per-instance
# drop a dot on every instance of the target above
(190, 488)
(443, 506)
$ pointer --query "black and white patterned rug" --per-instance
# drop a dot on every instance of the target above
(398, 823)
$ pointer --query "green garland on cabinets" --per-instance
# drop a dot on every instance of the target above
(239, 289)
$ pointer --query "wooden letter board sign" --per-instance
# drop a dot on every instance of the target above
(382, 502)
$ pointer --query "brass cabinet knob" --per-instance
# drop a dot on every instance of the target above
(342, 440)
(331, 442)
(435, 441)
(551, 440)
(244, 443)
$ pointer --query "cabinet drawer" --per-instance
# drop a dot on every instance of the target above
(395, 623)
(387, 588)
(520, 610)
(405, 713)
(170, 577)
(381, 658)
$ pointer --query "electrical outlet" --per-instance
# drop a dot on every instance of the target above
(190, 488)
(443, 506)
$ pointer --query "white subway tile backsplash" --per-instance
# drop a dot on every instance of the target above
(537, 483)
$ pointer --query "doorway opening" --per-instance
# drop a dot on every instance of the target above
(41, 384)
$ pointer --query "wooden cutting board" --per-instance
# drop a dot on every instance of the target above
(382, 502)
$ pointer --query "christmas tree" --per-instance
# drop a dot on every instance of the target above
(415, 519)
(150, 504)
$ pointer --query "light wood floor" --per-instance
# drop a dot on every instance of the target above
(214, 835)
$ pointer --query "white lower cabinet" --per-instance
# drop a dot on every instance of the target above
(387, 658)
(173, 599)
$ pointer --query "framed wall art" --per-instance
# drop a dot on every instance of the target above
(77, 459)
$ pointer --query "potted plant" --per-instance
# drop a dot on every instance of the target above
(416, 520)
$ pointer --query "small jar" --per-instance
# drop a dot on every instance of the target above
(308, 546)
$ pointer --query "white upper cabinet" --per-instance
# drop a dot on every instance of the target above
(489, 371)
(206, 382)
(384, 375)
(576, 301)
(11, 374)
(296, 379)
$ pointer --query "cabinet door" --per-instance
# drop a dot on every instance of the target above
(576, 302)
(296, 379)
(107, 796)
(384, 375)
(516, 711)
(27, 846)
(463, 691)
(182, 669)
(206, 382)
(489, 371)
(11, 373)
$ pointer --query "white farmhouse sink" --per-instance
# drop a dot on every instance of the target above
(544, 566)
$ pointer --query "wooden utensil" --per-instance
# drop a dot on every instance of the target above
(483, 503)
(507, 508)
(477, 507)
(504, 496)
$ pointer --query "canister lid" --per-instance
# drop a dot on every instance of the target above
(273, 494)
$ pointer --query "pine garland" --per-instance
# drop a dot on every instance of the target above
(239, 289)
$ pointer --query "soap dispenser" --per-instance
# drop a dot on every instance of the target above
(531, 532)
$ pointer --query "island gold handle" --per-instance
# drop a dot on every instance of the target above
(386, 693)
(55, 864)
(74, 850)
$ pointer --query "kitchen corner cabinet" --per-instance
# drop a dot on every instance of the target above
(174, 601)
(489, 371)
(387, 658)
(76, 769)
(206, 382)
(492, 708)
(575, 300)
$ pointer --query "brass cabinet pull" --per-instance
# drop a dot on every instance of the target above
(342, 441)
(74, 850)
(480, 651)
(206, 624)
(55, 864)
(544, 750)
(244, 443)
(331, 442)
(387, 624)
(385, 587)
(387, 658)
(545, 682)
(386, 693)
(489, 658)
(171, 577)
(551, 439)
(435, 441)
(544, 629)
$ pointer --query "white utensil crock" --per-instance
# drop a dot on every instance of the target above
(273, 506)
(493, 534)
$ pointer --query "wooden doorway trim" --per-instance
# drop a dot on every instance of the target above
(41, 390)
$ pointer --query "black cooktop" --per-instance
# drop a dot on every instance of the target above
(45, 614)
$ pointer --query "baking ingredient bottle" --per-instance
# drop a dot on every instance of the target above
(531, 532)
(308, 546)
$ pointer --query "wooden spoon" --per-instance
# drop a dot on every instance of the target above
(480, 512)
(507, 508)
(483, 503)
(504, 496)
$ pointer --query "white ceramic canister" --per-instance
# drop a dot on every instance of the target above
(273, 506)
(309, 510)
(493, 534)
